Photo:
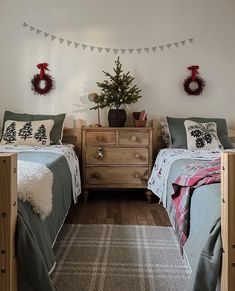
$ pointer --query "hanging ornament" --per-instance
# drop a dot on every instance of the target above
(42, 83)
(194, 79)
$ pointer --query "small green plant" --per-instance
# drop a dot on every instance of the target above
(117, 91)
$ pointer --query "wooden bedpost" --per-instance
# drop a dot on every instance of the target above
(228, 221)
(8, 215)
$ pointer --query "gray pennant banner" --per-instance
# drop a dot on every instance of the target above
(100, 49)
(69, 42)
(84, 46)
(154, 48)
(38, 31)
(161, 47)
(25, 24)
(107, 49)
(123, 51)
(91, 47)
(169, 45)
(61, 40)
(146, 49)
(32, 28)
(115, 51)
(182, 42)
(190, 40)
(46, 34)
(53, 37)
(139, 50)
(176, 44)
(130, 51)
(76, 44)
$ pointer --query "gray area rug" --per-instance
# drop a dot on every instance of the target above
(119, 257)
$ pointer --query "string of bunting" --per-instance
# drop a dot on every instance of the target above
(84, 46)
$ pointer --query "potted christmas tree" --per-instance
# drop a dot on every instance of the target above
(116, 93)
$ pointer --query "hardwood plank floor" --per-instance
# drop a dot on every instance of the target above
(118, 207)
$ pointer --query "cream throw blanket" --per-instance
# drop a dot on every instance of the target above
(34, 184)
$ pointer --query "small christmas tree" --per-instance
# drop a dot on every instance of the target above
(40, 134)
(10, 134)
(26, 131)
(117, 92)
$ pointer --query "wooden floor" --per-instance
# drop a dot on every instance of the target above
(118, 207)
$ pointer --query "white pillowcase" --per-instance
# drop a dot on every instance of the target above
(35, 133)
(202, 136)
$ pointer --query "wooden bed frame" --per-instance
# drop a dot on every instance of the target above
(8, 211)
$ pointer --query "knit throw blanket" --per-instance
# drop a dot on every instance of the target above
(34, 185)
(192, 176)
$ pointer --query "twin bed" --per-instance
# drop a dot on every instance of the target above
(35, 236)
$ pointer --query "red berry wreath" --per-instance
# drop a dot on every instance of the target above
(36, 81)
(194, 79)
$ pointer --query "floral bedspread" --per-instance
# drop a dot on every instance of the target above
(157, 182)
(65, 150)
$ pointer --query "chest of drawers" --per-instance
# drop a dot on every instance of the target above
(116, 157)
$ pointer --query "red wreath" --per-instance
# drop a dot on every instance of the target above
(49, 82)
(194, 79)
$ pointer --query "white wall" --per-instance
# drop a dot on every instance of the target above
(119, 24)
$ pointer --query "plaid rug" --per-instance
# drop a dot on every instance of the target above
(118, 257)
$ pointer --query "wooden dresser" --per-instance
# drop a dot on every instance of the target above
(116, 158)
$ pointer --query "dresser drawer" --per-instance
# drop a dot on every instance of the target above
(100, 137)
(118, 156)
(133, 138)
(116, 175)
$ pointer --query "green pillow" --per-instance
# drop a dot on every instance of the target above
(178, 132)
(56, 132)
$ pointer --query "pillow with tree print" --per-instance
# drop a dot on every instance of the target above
(35, 133)
(202, 136)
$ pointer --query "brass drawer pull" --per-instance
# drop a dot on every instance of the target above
(137, 156)
(100, 138)
(133, 138)
(96, 175)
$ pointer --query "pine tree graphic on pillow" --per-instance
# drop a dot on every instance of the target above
(40, 134)
(10, 134)
(26, 131)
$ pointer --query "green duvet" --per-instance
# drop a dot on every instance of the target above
(35, 237)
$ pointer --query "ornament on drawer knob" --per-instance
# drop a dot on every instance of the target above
(133, 138)
(100, 153)
(137, 156)
(137, 175)
(96, 175)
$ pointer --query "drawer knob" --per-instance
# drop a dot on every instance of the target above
(133, 138)
(137, 175)
(96, 175)
(137, 156)
(100, 138)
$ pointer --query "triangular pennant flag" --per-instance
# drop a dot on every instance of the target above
(161, 47)
(61, 40)
(53, 37)
(25, 24)
(69, 42)
(84, 46)
(46, 34)
(38, 31)
(32, 28)
(176, 44)
(107, 49)
(123, 51)
(146, 49)
(154, 48)
(76, 44)
(130, 50)
(169, 45)
(99, 49)
(115, 51)
(190, 40)
(91, 47)
(182, 42)
(139, 50)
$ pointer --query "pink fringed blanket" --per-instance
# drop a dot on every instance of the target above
(192, 176)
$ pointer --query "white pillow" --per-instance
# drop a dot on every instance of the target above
(35, 133)
(202, 136)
